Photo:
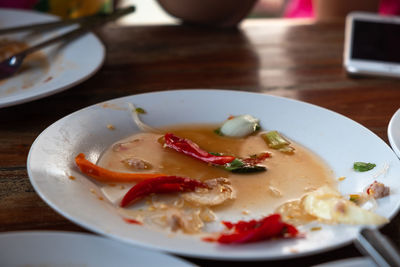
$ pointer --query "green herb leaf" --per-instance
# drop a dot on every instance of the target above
(215, 153)
(276, 141)
(249, 169)
(238, 166)
(354, 198)
(236, 163)
(140, 111)
(363, 166)
(218, 132)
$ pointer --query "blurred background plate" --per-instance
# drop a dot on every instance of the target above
(53, 69)
(56, 249)
(352, 262)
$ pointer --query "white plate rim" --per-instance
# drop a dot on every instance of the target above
(59, 237)
(200, 254)
(21, 98)
(394, 121)
(354, 262)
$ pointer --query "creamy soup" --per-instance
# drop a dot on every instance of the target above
(288, 177)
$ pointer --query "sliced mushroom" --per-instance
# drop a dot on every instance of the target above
(137, 164)
(177, 219)
(219, 190)
(124, 145)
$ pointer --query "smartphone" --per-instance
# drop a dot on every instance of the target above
(372, 44)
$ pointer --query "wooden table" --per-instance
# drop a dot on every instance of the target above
(295, 59)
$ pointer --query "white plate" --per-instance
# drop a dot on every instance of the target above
(352, 262)
(337, 139)
(64, 66)
(62, 249)
(394, 132)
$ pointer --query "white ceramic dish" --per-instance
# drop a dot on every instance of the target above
(337, 139)
(62, 249)
(61, 66)
(394, 132)
(352, 262)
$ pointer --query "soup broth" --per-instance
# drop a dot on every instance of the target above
(288, 177)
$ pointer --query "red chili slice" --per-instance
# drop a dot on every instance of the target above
(190, 148)
(131, 221)
(257, 158)
(256, 230)
(164, 184)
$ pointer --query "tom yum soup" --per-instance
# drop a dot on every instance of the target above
(234, 181)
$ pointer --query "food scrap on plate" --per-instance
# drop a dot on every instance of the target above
(186, 178)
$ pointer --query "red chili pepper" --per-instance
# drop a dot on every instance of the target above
(189, 148)
(256, 230)
(131, 221)
(164, 184)
(105, 175)
(257, 158)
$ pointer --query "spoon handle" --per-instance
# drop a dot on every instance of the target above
(55, 24)
(372, 243)
(85, 27)
(47, 25)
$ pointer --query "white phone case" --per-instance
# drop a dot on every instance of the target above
(370, 66)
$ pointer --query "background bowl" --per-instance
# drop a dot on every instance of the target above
(221, 13)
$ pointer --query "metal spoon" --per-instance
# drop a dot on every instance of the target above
(12, 64)
(374, 244)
